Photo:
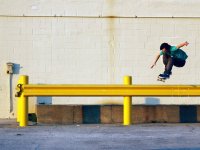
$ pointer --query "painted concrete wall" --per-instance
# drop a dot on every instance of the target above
(82, 48)
(129, 8)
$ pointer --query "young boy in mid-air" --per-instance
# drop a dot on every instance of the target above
(172, 56)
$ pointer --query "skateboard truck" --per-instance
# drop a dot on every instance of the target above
(161, 78)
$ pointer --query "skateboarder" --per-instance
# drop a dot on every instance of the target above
(172, 56)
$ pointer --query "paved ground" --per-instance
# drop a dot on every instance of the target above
(93, 137)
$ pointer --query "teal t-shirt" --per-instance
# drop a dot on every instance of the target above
(176, 53)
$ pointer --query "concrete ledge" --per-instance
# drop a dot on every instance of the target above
(117, 114)
(157, 114)
(59, 114)
(78, 114)
(111, 114)
(106, 114)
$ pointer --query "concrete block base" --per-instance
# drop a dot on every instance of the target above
(111, 114)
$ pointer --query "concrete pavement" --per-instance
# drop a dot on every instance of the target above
(99, 136)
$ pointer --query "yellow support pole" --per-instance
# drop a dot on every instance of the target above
(22, 115)
(127, 103)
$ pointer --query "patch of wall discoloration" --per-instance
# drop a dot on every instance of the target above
(112, 42)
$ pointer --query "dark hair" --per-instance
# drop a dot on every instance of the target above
(165, 45)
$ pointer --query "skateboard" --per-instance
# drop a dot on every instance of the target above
(161, 79)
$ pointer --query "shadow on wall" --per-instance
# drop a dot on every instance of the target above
(152, 101)
(44, 100)
(16, 68)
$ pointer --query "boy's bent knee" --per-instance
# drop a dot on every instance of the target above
(179, 63)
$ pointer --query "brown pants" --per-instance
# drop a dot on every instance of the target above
(169, 62)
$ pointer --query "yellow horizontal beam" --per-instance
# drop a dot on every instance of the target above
(112, 90)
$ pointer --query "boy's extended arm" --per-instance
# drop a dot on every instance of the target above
(157, 57)
(182, 44)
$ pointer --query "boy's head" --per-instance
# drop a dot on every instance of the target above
(165, 47)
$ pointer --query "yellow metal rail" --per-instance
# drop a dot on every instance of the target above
(25, 90)
(112, 90)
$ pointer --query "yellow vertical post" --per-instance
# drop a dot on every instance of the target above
(22, 115)
(127, 103)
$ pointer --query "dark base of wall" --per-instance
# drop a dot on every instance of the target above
(111, 114)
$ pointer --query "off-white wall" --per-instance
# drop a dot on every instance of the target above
(126, 8)
(82, 50)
